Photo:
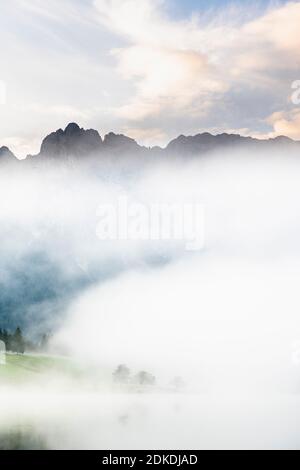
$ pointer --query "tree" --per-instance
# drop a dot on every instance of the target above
(5, 337)
(144, 378)
(44, 342)
(18, 342)
(121, 374)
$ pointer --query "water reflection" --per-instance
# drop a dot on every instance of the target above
(21, 438)
(151, 421)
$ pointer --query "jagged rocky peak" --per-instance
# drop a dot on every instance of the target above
(73, 141)
(120, 142)
(282, 139)
(6, 155)
(72, 129)
(204, 139)
(202, 143)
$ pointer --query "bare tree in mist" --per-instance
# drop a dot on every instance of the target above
(122, 374)
(144, 378)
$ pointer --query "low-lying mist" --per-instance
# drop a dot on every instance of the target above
(223, 317)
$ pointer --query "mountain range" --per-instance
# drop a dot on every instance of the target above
(75, 142)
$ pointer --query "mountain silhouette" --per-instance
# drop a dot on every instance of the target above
(76, 143)
(73, 141)
(203, 143)
(6, 156)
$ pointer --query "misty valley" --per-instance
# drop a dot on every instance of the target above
(150, 342)
(149, 230)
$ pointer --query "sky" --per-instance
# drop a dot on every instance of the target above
(151, 69)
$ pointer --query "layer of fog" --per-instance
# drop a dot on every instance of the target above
(39, 419)
(225, 318)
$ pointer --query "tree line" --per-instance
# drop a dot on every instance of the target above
(122, 375)
(16, 342)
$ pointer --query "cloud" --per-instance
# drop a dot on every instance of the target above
(194, 66)
(150, 137)
(218, 311)
(164, 58)
(52, 71)
(286, 123)
(115, 65)
(279, 28)
(168, 79)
